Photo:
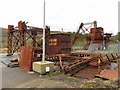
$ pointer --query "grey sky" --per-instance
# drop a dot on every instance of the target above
(66, 14)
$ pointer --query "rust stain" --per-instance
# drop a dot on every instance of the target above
(108, 74)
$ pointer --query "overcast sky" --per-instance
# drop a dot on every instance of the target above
(66, 14)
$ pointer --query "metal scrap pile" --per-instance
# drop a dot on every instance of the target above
(58, 49)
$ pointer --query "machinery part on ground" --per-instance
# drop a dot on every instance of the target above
(13, 63)
(73, 56)
(107, 58)
(108, 74)
(89, 72)
(78, 65)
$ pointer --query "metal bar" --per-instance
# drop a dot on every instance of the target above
(9, 44)
(44, 33)
(107, 57)
(20, 45)
(60, 58)
(33, 39)
(113, 56)
(14, 36)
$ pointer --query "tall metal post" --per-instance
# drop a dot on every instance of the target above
(44, 32)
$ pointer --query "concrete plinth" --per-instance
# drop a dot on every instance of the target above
(43, 67)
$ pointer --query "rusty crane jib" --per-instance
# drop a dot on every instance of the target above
(81, 27)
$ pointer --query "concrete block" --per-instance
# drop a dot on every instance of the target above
(43, 67)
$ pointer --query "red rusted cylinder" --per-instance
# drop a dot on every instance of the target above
(97, 35)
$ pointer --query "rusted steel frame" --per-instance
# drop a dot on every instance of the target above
(111, 59)
(79, 61)
(77, 34)
(75, 64)
(52, 57)
(71, 66)
(27, 38)
(75, 68)
(86, 29)
(74, 57)
(57, 59)
(107, 57)
(101, 59)
(22, 37)
(117, 55)
(15, 30)
(14, 36)
(35, 29)
(104, 61)
(16, 41)
(16, 49)
(84, 53)
(60, 58)
(78, 53)
(57, 55)
(33, 42)
(14, 45)
(9, 44)
(113, 56)
(79, 67)
(32, 38)
(20, 45)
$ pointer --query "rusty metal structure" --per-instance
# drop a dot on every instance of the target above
(59, 43)
(28, 40)
(76, 68)
(21, 35)
(83, 29)
(58, 49)
(28, 56)
(108, 74)
(96, 34)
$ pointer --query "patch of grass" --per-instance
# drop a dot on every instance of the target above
(71, 78)
(3, 50)
(92, 84)
(54, 73)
